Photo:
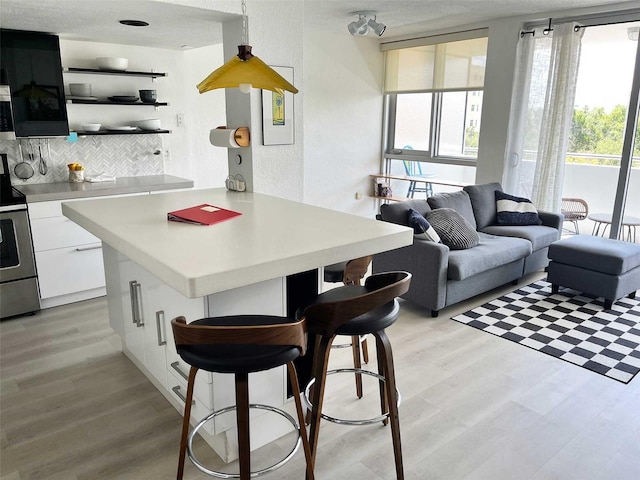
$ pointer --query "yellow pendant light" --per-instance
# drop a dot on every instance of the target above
(245, 71)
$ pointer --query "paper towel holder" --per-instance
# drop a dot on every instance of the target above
(241, 137)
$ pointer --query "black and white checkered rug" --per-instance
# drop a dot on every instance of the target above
(569, 325)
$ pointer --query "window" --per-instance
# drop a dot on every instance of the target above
(433, 94)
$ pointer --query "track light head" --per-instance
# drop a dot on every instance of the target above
(366, 20)
(359, 27)
(378, 28)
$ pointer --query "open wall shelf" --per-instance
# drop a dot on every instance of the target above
(109, 102)
(122, 132)
(97, 71)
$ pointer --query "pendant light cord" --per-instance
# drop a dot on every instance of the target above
(245, 34)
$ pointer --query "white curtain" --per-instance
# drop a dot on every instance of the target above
(513, 174)
(542, 110)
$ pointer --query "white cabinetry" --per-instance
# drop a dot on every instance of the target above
(141, 308)
(149, 305)
(68, 258)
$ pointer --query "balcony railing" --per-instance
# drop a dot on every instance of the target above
(593, 178)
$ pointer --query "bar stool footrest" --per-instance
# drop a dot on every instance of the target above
(342, 421)
(257, 473)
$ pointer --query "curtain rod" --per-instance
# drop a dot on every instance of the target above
(577, 28)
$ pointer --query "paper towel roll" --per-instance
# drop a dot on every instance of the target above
(223, 137)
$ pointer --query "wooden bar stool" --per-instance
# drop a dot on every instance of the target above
(352, 273)
(357, 310)
(241, 345)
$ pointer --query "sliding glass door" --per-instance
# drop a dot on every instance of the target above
(594, 158)
(583, 153)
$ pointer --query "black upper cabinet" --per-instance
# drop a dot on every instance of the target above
(31, 66)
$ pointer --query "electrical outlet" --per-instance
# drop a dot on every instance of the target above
(166, 155)
(358, 195)
(180, 119)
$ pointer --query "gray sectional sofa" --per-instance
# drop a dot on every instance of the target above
(443, 277)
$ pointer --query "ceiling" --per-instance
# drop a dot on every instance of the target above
(176, 24)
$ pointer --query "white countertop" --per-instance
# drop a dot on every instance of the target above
(272, 238)
(42, 192)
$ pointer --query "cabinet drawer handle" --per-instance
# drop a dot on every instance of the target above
(138, 295)
(176, 390)
(176, 367)
(133, 301)
(86, 249)
(159, 320)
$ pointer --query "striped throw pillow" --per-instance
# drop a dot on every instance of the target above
(421, 227)
(513, 210)
(454, 231)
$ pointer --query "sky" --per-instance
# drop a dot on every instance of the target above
(606, 67)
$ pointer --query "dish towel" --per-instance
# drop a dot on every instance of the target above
(101, 177)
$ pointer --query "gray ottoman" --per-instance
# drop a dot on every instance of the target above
(595, 265)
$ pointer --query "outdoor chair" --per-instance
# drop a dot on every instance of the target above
(574, 210)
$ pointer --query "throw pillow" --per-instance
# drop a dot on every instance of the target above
(454, 231)
(513, 210)
(421, 227)
(459, 201)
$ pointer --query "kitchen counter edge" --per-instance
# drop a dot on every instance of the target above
(44, 192)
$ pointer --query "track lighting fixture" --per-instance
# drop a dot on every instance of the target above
(365, 22)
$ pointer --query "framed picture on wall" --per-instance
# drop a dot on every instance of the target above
(277, 113)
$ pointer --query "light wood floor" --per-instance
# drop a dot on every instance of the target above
(73, 407)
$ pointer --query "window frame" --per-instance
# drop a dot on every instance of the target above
(390, 99)
(432, 155)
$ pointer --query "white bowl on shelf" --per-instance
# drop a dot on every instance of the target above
(112, 63)
(150, 124)
(91, 127)
(80, 89)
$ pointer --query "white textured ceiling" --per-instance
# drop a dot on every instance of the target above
(175, 23)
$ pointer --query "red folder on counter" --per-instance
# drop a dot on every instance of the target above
(204, 214)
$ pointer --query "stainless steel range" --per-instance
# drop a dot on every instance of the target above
(18, 278)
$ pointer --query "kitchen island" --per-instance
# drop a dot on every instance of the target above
(263, 261)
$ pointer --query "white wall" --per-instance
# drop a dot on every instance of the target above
(343, 120)
(203, 112)
(276, 29)
(496, 104)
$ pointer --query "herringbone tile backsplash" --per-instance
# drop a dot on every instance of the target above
(115, 155)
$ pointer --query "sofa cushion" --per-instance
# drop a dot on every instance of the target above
(459, 201)
(540, 236)
(512, 210)
(483, 201)
(454, 231)
(421, 227)
(491, 252)
(397, 212)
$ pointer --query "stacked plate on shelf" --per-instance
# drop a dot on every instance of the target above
(125, 128)
(124, 98)
(81, 91)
